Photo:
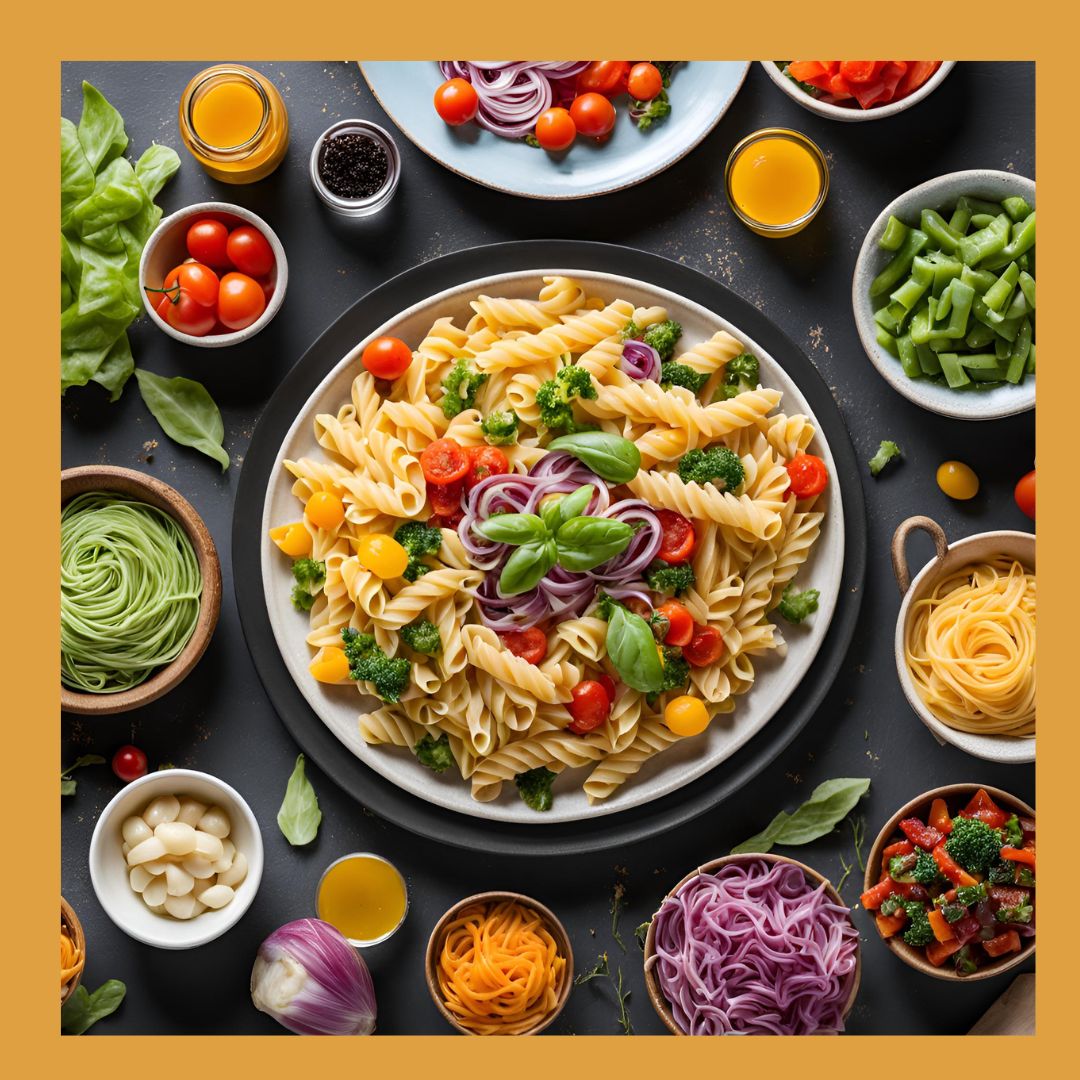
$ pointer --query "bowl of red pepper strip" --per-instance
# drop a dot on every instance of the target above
(943, 899)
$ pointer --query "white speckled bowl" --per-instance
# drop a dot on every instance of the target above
(1004, 749)
(853, 114)
(940, 193)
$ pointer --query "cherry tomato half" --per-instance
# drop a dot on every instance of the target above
(249, 251)
(183, 313)
(607, 77)
(445, 499)
(456, 101)
(129, 763)
(447, 521)
(382, 555)
(680, 623)
(555, 129)
(485, 461)
(207, 242)
(589, 705)
(645, 81)
(808, 476)
(387, 357)
(530, 645)
(593, 115)
(293, 539)
(241, 301)
(1025, 494)
(705, 647)
(444, 461)
(678, 539)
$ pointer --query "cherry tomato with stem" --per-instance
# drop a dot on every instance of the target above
(129, 763)
(183, 313)
(645, 81)
(249, 251)
(444, 461)
(555, 129)
(485, 461)
(705, 647)
(680, 623)
(593, 115)
(207, 242)
(607, 77)
(589, 705)
(387, 357)
(197, 280)
(530, 645)
(807, 476)
(456, 102)
(241, 301)
(1025, 494)
(677, 540)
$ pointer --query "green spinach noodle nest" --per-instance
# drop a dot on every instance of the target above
(130, 591)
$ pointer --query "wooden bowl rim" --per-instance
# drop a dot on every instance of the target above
(909, 954)
(67, 915)
(656, 995)
(500, 896)
(156, 493)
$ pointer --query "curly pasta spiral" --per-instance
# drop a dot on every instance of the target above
(486, 652)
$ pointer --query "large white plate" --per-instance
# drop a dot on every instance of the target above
(339, 706)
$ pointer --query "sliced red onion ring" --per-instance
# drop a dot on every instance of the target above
(640, 361)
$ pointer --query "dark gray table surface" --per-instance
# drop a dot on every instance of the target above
(220, 720)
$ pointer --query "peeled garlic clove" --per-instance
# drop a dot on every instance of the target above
(140, 877)
(236, 873)
(135, 831)
(178, 838)
(155, 893)
(198, 867)
(157, 866)
(190, 811)
(228, 854)
(145, 852)
(217, 896)
(180, 907)
(165, 808)
(215, 821)
(178, 881)
(202, 886)
(208, 846)
(125, 847)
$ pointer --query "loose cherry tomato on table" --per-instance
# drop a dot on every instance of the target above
(1025, 494)
(325, 510)
(249, 251)
(445, 499)
(686, 715)
(444, 461)
(197, 280)
(187, 315)
(589, 705)
(608, 683)
(382, 555)
(607, 77)
(386, 357)
(807, 475)
(555, 129)
(207, 242)
(241, 301)
(678, 539)
(456, 101)
(957, 480)
(705, 646)
(593, 115)
(530, 645)
(645, 81)
(680, 623)
(129, 763)
(485, 461)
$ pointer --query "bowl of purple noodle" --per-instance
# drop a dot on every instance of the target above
(753, 945)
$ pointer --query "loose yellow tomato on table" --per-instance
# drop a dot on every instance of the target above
(330, 665)
(325, 509)
(686, 715)
(293, 539)
(957, 480)
(382, 555)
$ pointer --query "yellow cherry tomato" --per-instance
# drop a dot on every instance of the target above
(325, 509)
(382, 555)
(293, 539)
(686, 715)
(957, 480)
(330, 665)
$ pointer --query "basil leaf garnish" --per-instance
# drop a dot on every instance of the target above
(585, 542)
(631, 647)
(528, 564)
(611, 457)
(299, 815)
(82, 1010)
(512, 528)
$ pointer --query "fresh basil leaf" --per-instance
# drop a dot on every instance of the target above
(186, 412)
(76, 174)
(67, 787)
(117, 367)
(828, 805)
(117, 196)
(631, 647)
(101, 129)
(155, 168)
(513, 528)
(526, 566)
(585, 542)
(611, 457)
(560, 509)
(82, 1010)
(299, 815)
(764, 840)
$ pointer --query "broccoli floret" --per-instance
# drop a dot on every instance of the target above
(741, 373)
(676, 669)
(309, 575)
(418, 540)
(967, 895)
(925, 871)
(1019, 913)
(604, 606)
(892, 904)
(500, 428)
(1026, 877)
(795, 606)
(460, 388)
(973, 844)
(917, 867)
(919, 931)
(368, 663)
(646, 113)
(534, 787)
(1014, 834)
(422, 636)
(675, 374)
(630, 330)
(952, 912)
(1002, 872)
(885, 453)
(302, 598)
(663, 336)
(718, 466)
(434, 753)
(663, 578)
(554, 396)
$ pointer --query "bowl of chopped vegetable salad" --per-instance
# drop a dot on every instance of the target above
(944, 294)
(950, 882)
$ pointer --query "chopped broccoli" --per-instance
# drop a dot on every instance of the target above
(973, 844)
(302, 598)
(925, 871)
(500, 428)
(604, 606)
(1019, 913)
(795, 606)
(663, 578)
(534, 787)
(900, 867)
(718, 466)
(532, 140)
(630, 330)
(676, 374)
(460, 388)
(646, 113)
(663, 336)
(554, 396)
(676, 669)
(741, 373)
(422, 636)
(434, 753)
(1026, 877)
(952, 912)
(967, 895)
(892, 904)
(1014, 834)
(418, 540)
(309, 575)
(885, 453)
(919, 931)
(1002, 872)
(368, 663)
(917, 867)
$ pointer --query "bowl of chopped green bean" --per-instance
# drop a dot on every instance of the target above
(944, 294)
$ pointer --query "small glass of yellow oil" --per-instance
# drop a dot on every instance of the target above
(364, 896)
(776, 181)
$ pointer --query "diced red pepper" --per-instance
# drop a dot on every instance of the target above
(937, 952)
(1020, 855)
(1009, 897)
(966, 929)
(918, 71)
(950, 896)
(926, 836)
(873, 898)
(985, 809)
(838, 86)
(953, 871)
(890, 924)
(891, 75)
(939, 817)
(831, 66)
(859, 71)
(910, 890)
(1002, 944)
(940, 925)
(805, 70)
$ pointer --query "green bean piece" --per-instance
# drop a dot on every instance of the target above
(954, 374)
(1016, 207)
(980, 221)
(1002, 348)
(928, 360)
(986, 242)
(886, 319)
(941, 344)
(994, 374)
(887, 341)
(961, 216)
(1027, 286)
(1018, 306)
(1021, 350)
(979, 280)
(1027, 262)
(996, 297)
(894, 235)
(1031, 360)
(944, 272)
(920, 329)
(914, 244)
(982, 206)
(937, 228)
(943, 305)
(911, 292)
(979, 336)
(1023, 237)
(909, 358)
(962, 297)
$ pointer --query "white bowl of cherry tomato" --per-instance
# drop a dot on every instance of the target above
(213, 274)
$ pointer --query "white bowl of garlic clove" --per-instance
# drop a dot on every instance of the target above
(176, 858)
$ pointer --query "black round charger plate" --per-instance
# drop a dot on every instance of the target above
(380, 795)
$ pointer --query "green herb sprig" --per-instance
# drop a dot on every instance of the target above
(67, 785)
(299, 816)
(828, 805)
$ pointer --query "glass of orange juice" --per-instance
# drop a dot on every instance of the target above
(364, 896)
(776, 181)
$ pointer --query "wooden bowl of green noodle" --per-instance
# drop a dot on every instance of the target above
(141, 488)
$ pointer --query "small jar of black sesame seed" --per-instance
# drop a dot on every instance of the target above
(355, 167)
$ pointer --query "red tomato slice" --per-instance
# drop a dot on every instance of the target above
(530, 645)
(445, 499)
(678, 540)
(589, 705)
(485, 461)
(446, 521)
(705, 647)
(444, 461)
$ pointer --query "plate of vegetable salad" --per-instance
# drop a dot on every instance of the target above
(951, 882)
(556, 129)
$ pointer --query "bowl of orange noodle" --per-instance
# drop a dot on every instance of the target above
(72, 950)
(499, 963)
(965, 640)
